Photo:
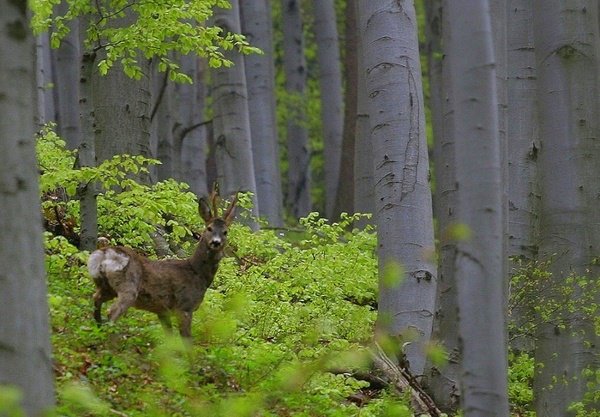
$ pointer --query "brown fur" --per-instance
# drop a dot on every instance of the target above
(164, 287)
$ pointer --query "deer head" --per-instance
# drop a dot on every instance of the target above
(215, 232)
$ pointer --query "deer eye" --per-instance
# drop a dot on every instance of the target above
(209, 229)
(225, 232)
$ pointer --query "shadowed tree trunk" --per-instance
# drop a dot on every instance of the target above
(443, 381)
(25, 359)
(402, 194)
(298, 200)
(330, 84)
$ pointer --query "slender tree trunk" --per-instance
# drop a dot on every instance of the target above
(479, 257)
(191, 99)
(298, 199)
(330, 83)
(523, 147)
(345, 188)
(86, 155)
(161, 119)
(364, 196)
(25, 359)
(45, 101)
(567, 56)
(235, 166)
(444, 381)
(403, 197)
(260, 75)
(66, 61)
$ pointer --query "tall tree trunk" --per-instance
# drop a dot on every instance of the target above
(260, 75)
(298, 200)
(364, 197)
(86, 155)
(161, 120)
(235, 166)
(25, 359)
(344, 200)
(403, 197)
(479, 257)
(523, 147)
(567, 44)
(45, 101)
(191, 99)
(330, 83)
(443, 381)
(66, 61)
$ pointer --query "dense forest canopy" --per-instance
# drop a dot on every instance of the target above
(415, 191)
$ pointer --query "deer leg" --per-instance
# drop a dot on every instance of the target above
(125, 299)
(100, 297)
(165, 321)
(185, 324)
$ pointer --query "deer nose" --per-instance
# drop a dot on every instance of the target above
(215, 242)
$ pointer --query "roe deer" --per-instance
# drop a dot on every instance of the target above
(164, 287)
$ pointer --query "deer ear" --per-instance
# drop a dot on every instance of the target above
(204, 210)
(230, 212)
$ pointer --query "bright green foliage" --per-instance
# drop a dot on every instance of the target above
(520, 380)
(132, 31)
(278, 316)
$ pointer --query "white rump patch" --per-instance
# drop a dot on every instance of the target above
(114, 261)
(94, 263)
(109, 260)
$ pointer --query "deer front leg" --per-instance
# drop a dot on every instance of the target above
(185, 324)
(165, 321)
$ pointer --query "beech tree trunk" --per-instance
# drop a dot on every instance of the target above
(66, 60)
(260, 75)
(330, 84)
(567, 57)
(235, 165)
(479, 257)
(345, 188)
(403, 197)
(25, 359)
(444, 381)
(298, 199)
(44, 81)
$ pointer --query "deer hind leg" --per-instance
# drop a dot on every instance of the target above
(100, 297)
(126, 297)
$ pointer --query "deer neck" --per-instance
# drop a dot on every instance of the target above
(205, 261)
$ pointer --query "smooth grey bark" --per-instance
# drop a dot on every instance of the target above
(233, 144)
(479, 257)
(344, 200)
(330, 85)
(65, 60)
(523, 147)
(44, 80)
(298, 200)
(444, 381)
(364, 197)
(257, 26)
(192, 129)
(402, 194)
(567, 58)
(86, 155)
(25, 358)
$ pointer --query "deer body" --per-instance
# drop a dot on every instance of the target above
(164, 287)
